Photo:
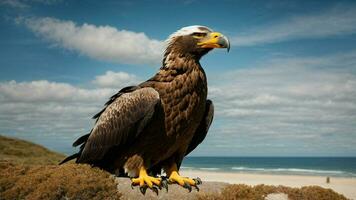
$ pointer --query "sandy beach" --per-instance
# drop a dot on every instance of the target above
(345, 186)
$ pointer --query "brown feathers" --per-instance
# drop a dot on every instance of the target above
(131, 111)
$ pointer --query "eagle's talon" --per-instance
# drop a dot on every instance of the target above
(155, 190)
(197, 181)
(186, 185)
(185, 182)
(143, 189)
(196, 187)
(145, 181)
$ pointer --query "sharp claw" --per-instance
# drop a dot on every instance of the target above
(155, 189)
(164, 184)
(198, 181)
(186, 185)
(196, 187)
(143, 189)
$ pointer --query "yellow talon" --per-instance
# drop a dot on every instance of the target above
(175, 177)
(185, 182)
(145, 178)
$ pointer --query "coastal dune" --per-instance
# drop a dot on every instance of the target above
(345, 186)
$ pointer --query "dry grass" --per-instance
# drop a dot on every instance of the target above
(69, 181)
(30, 171)
(23, 152)
(259, 192)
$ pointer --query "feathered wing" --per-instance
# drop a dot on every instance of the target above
(203, 127)
(125, 116)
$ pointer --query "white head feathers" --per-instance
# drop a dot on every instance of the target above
(189, 30)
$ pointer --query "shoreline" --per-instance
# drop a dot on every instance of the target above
(341, 174)
(342, 185)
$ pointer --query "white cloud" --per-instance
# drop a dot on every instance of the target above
(47, 111)
(307, 104)
(337, 21)
(45, 91)
(116, 80)
(100, 42)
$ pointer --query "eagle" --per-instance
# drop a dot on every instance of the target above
(152, 126)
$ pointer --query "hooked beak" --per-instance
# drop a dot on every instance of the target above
(215, 40)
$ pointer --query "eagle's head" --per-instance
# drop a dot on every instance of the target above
(195, 41)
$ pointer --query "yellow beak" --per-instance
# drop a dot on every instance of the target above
(215, 40)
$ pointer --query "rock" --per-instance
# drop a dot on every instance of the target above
(174, 191)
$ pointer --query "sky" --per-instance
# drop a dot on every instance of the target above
(286, 88)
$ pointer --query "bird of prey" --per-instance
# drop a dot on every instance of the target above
(151, 127)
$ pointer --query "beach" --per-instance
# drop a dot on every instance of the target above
(345, 186)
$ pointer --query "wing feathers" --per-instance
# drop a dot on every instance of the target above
(81, 140)
(71, 157)
(114, 97)
(124, 118)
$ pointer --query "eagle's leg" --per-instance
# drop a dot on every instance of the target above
(174, 177)
(144, 181)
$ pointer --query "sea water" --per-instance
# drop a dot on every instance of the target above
(316, 166)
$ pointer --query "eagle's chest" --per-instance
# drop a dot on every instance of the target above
(184, 104)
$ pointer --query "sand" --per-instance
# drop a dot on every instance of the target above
(345, 186)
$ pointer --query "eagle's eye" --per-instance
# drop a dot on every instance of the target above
(198, 35)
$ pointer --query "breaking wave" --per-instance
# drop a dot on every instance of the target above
(293, 170)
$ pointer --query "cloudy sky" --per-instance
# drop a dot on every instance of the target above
(287, 87)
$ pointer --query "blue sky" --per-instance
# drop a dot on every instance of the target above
(287, 87)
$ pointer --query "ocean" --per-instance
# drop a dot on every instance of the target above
(315, 166)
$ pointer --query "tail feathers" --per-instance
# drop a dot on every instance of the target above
(81, 140)
(76, 155)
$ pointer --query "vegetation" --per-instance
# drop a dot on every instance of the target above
(30, 171)
(23, 152)
(70, 181)
(259, 192)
